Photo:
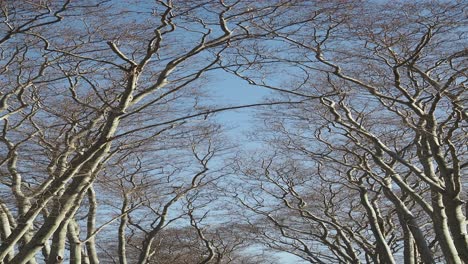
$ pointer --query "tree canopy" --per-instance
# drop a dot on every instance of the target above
(111, 150)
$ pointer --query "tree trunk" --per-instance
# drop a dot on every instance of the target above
(408, 240)
(69, 202)
(58, 240)
(74, 241)
(5, 229)
(122, 237)
(442, 230)
(91, 243)
(383, 249)
(410, 224)
(457, 223)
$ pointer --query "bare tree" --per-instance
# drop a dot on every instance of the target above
(105, 123)
(87, 98)
(385, 142)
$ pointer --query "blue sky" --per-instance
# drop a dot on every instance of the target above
(227, 90)
(230, 90)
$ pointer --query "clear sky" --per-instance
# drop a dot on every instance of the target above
(230, 90)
